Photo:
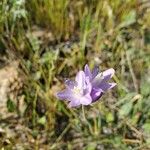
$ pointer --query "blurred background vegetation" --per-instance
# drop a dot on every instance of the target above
(52, 40)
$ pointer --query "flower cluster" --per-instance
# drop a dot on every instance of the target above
(88, 86)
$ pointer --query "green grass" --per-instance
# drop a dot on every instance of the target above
(108, 33)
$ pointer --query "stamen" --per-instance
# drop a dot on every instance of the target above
(77, 90)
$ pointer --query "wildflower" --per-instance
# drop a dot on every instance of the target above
(78, 91)
(88, 86)
(99, 81)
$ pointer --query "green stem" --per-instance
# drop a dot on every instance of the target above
(83, 113)
(85, 120)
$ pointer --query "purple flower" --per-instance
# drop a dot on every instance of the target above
(99, 81)
(78, 91)
(87, 88)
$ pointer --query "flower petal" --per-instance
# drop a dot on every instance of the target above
(96, 94)
(74, 102)
(97, 80)
(70, 84)
(86, 99)
(80, 79)
(112, 85)
(87, 71)
(88, 87)
(108, 73)
(95, 72)
(64, 95)
(106, 86)
(103, 77)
